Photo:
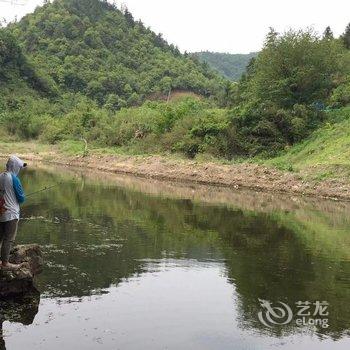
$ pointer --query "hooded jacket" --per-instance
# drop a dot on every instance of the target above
(11, 190)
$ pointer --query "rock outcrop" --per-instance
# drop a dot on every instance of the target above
(20, 282)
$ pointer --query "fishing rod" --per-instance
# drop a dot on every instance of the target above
(42, 190)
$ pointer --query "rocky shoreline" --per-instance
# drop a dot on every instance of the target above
(235, 176)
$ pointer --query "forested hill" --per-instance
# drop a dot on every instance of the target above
(91, 47)
(231, 66)
(17, 73)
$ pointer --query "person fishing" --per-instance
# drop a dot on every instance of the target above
(11, 197)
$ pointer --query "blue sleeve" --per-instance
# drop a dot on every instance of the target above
(17, 187)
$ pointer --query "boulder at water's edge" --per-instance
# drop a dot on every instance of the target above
(21, 281)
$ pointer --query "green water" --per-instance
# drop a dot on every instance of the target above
(133, 264)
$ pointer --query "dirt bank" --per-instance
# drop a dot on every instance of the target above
(236, 176)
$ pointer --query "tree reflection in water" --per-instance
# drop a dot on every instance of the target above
(21, 309)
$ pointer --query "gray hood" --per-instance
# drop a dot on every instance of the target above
(14, 165)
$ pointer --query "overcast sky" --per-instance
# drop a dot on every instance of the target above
(221, 25)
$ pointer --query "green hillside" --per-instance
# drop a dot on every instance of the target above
(83, 69)
(16, 72)
(91, 47)
(325, 153)
(231, 66)
(23, 88)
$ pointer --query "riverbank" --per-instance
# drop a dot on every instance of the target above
(241, 175)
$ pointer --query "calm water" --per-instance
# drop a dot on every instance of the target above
(134, 264)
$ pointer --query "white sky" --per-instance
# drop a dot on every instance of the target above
(221, 25)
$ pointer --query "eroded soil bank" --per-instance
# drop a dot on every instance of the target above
(251, 176)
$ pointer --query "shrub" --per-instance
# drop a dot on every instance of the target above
(203, 133)
(341, 95)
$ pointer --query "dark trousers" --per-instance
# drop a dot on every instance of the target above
(8, 231)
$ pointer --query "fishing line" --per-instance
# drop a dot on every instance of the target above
(43, 190)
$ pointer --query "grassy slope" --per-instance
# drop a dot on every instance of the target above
(325, 154)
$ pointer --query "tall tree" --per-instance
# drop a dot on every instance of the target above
(271, 37)
(328, 33)
(346, 37)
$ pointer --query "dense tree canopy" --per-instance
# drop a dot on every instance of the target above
(91, 47)
(281, 97)
(15, 68)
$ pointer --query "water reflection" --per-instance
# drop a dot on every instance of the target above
(22, 309)
(106, 232)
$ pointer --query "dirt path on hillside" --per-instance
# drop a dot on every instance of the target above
(252, 176)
